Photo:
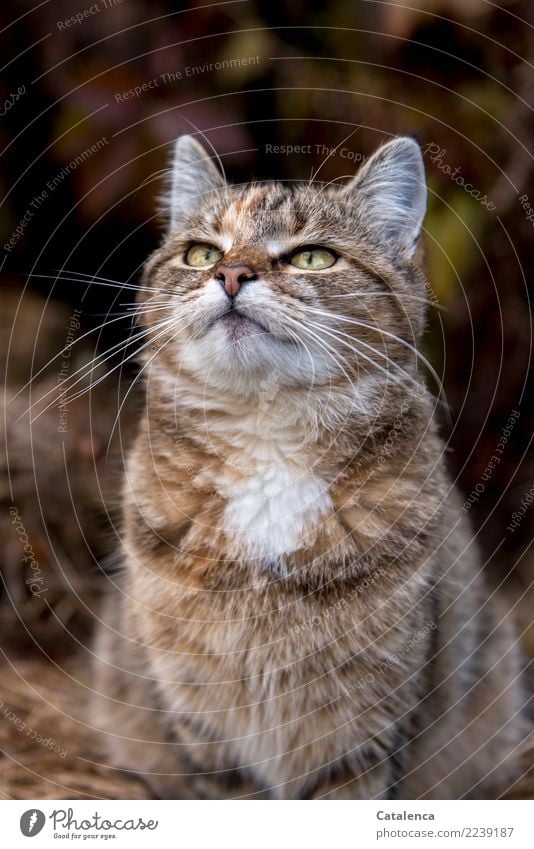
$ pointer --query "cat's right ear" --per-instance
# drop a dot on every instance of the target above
(193, 175)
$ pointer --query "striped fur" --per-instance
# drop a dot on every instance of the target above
(303, 613)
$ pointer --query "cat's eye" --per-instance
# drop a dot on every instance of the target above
(201, 255)
(313, 259)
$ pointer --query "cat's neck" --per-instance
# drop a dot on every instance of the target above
(273, 420)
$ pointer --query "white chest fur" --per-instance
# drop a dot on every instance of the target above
(271, 509)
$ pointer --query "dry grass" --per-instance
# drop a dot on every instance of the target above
(38, 698)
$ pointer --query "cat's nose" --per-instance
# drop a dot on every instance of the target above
(232, 277)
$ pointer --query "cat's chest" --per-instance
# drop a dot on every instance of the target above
(273, 502)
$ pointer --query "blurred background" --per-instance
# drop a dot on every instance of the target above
(92, 96)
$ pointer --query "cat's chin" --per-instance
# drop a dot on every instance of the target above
(237, 352)
(233, 345)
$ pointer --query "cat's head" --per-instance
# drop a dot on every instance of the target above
(316, 283)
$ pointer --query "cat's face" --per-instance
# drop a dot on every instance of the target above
(312, 283)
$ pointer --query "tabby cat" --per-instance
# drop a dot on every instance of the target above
(302, 612)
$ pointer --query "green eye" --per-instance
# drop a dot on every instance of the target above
(313, 259)
(201, 256)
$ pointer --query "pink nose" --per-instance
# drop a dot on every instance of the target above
(232, 277)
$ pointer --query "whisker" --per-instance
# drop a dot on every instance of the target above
(68, 347)
(337, 317)
(427, 301)
(137, 305)
(338, 336)
(105, 282)
(136, 378)
(119, 365)
(389, 335)
(84, 275)
(325, 347)
(308, 352)
(89, 367)
(328, 350)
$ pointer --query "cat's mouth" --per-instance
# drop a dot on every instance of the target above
(238, 324)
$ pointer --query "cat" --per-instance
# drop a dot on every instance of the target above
(302, 611)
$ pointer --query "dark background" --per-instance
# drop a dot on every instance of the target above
(457, 74)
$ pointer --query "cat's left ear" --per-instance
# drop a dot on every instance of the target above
(389, 195)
